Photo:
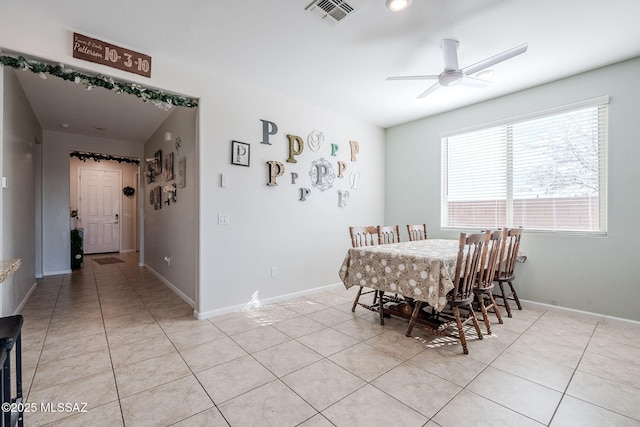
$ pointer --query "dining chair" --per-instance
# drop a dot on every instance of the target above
(388, 234)
(461, 296)
(483, 287)
(417, 232)
(505, 271)
(364, 236)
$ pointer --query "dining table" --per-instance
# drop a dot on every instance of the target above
(421, 270)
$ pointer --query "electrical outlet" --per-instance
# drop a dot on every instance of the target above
(274, 271)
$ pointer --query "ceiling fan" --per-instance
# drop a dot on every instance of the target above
(453, 74)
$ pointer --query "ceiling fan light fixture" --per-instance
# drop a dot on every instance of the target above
(398, 5)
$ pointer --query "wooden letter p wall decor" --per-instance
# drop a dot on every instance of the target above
(276, 169)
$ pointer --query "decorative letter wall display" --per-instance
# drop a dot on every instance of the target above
(355, 149)
(315, 140)
(342, 166)
(353, 179)
(240, 153)
(268, 128)
(293, 139)
(334, 149)
(276, 169)
(343, 196)
(294, 176)
(322, 174)
(304, 193)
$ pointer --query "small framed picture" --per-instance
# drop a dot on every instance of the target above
(240, 153)
(168, 167)
(158, 165)
(157, 198)
(182, 172)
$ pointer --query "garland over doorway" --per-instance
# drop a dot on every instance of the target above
(97, 157)
(159, 98)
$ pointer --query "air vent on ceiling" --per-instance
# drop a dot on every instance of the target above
(331, 11)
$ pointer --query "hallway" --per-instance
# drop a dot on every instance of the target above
(115, 337)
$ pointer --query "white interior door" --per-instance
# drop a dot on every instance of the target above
(100, 209)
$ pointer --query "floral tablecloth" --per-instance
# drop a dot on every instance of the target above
(422, 270)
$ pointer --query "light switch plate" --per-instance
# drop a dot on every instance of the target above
(223, 218)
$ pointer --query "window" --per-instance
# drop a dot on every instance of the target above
(545, 171)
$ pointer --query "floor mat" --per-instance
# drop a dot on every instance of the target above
(107, 260)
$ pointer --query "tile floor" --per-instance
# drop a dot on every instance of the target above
(115, 337)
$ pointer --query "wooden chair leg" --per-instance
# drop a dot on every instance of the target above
(414, 315)
(463, 340)
(381, 307)
(483, 310)
(474, 319)
(495, 307)
(355, 303)
(515, 296)
(505, 299)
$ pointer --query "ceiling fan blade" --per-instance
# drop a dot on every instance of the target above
(486, 63)
(472, 81)
(450, 53)
(428, 91)
(426, 77)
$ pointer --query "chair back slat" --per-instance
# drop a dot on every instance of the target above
(417, 232)
(509, 255)
(491, 251)
(469, 254)
(388, 234)
(364, 236)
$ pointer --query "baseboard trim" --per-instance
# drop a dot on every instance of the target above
(582, 314)
(56, 273)
(172, 287)
(25, 299)
(241, 307)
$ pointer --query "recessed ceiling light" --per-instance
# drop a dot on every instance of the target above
(398, 5)
(64, 125)
(99, 128)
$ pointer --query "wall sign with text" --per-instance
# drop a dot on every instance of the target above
(94, 50)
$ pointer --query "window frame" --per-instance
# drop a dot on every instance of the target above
(603, 147)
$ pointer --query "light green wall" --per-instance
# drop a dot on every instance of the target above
(595, 274)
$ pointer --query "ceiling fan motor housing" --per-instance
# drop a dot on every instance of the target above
(450, 77)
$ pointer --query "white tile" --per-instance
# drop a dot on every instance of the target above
(468, 409)
(370, 406)
(525, 397)
(575, 412)
(322, 383)
(273, 404)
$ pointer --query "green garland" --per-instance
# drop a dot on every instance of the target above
(159, 98)
(96, 157)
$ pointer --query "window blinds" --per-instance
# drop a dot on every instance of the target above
(545, 171)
